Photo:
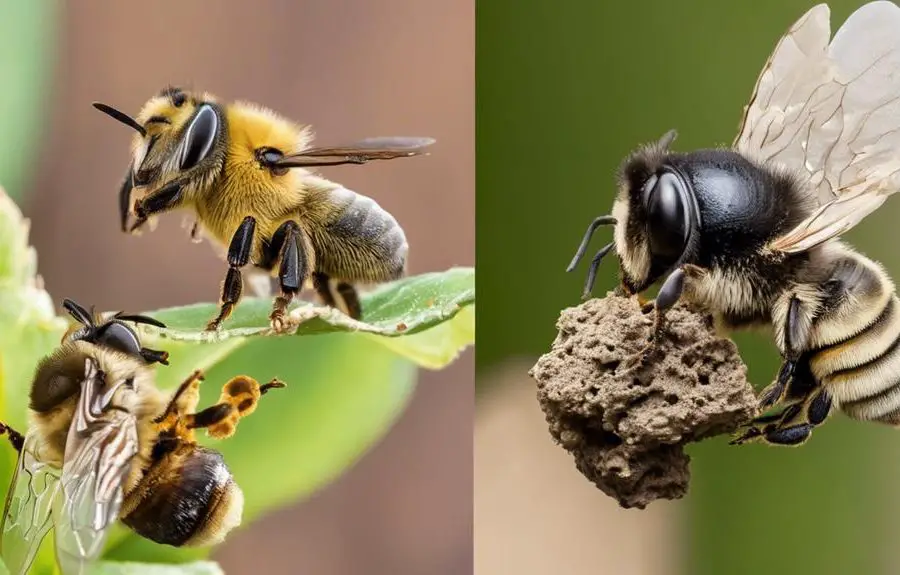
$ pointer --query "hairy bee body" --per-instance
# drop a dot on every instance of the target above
(239, 168)
(714, 214)
(105, 443)
(175, 492)
(739, 206)
(752, 233)
(57, 384)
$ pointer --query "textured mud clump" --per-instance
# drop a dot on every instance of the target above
(625, 421)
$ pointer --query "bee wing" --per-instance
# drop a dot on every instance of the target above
(830, 112)
(99, 452)
(27, 513)
(357, 153)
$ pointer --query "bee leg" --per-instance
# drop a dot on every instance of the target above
(125, 200)
(347, 299)
(155, 356)
(185, 398)
(238, 257)
(795, 428)
(796, 336)
(351, 305)
(668, 296)
(15, 438)
(756, 427)
(775, 392)
(159, 201)
(239, 399)
(322, 285)
(292, 272)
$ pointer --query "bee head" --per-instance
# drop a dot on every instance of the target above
(112, 333)
(657, 214)
(176, 132)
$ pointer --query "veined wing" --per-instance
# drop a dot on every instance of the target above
(830, 112)
(27, 514)
(99, 451)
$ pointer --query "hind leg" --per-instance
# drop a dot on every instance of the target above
(343, 296)
(794, 425)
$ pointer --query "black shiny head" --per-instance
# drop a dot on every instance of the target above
(199, 137)
(114, 333)
(661, 219)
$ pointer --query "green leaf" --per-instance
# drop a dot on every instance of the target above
(27, 44)
(132, 568)
(429, 318)
(344, 392)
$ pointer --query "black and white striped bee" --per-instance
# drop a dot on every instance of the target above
(751, 233)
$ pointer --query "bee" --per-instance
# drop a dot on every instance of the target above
(244, 172)
(752, 233)
(104, 444)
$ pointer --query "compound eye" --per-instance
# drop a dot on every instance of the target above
(118, 336)
(668, 225)
(199, 137)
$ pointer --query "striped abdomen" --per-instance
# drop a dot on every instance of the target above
(186, 498)
(861, 368)
(355, 239)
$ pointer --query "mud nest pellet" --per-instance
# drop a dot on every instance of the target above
(626, 422)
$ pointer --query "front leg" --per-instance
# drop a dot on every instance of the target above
(184, 400)
(125, 200)
(238, 257)
(668, 296)
(16, 439)
(162, 200)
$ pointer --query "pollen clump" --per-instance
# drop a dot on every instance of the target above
(626, 422)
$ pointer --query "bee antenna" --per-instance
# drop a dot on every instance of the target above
(582, 248)
(78, 312)
(121, 117)
(592, 271)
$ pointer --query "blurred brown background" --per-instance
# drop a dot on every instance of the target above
(351, 68)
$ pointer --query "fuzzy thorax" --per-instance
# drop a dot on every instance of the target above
(57, 385)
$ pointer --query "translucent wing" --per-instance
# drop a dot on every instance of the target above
(357, 153)
(27, 513)
(99, 451)
(830, 112)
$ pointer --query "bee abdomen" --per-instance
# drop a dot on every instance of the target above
(862, 372)
(186, 498)
(363, 242)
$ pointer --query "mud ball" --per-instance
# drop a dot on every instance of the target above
(626, 422)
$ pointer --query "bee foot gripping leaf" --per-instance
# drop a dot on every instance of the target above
(627, 426)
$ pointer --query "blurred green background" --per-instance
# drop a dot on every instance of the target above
(564, 91)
